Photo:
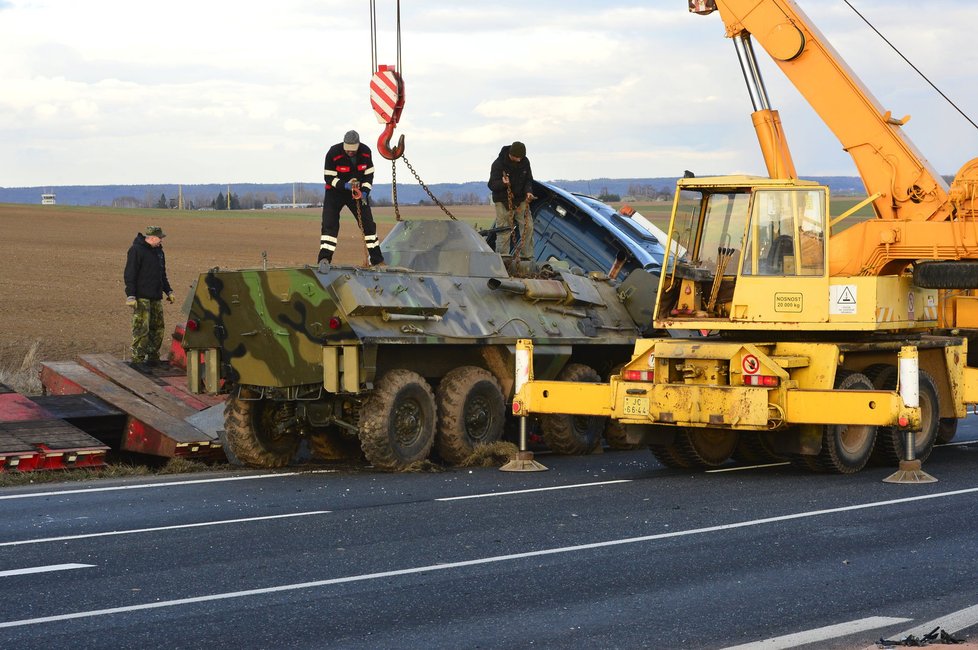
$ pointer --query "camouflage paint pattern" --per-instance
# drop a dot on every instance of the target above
(431, 310)
(147, 330)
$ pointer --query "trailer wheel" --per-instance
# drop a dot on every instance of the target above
(397, 421)
(573, 434)
(946, 430)
(845, 447)
(260, 432)
(889, 447)
(471, 412)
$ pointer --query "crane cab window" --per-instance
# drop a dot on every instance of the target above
(786, 236)
(725, 217)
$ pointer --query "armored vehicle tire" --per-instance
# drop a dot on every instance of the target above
(259, 432)
(947, 428)
(397, 421)
(573, 434)
(846, 447)
(471, 412)
(890, 441)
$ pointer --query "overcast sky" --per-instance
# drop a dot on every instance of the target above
(124, 91)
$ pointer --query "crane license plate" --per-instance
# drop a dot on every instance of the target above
(636, 406)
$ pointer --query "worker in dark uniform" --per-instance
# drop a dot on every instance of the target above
(349, 175)
(511, 182)
(146, 284)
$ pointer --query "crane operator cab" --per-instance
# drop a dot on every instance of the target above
(745, 250)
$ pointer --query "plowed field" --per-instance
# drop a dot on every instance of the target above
(61, 266)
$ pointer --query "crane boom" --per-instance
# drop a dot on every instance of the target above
(905, 185)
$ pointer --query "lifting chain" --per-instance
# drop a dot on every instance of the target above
(358, 196)
(397, 213)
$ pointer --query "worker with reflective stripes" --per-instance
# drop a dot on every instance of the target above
(349, 175)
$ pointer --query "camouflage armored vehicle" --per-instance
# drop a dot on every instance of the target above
(402, 359)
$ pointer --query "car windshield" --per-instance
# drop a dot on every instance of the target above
(640, 226)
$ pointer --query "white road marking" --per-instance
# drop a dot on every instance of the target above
(741, 467)
(477, 562)
(43, 569)
(133, 531)
(959, 620)
(142, 486)
(527, 491)
(820, 634)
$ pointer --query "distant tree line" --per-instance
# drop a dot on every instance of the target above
(646, 191)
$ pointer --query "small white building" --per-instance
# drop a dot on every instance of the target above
(47, 199)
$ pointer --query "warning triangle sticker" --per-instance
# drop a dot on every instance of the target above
(846, 297)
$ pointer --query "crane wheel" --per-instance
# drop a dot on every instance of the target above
(754, 448)
(956, 274)
(573, 434)
(698, 448)
(846, 448)
(946, 430)
(890, 441)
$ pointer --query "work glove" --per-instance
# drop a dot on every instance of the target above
(348, 185)
(169, 297)
(130, 301)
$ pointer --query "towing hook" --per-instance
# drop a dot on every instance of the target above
(384, 145)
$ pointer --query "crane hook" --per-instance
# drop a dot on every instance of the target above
(384, 145)
(387, 100)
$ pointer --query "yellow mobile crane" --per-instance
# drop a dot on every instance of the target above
(790, 333)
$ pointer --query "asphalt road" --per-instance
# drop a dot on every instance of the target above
(606, 551)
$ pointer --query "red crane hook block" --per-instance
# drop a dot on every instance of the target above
(387, 100)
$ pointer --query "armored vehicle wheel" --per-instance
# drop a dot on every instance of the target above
(889, 446)
(845, 447)
(397, 421)
(755, 448)
(471, 412)
(946, 429)
(573, 434)
(260, 432)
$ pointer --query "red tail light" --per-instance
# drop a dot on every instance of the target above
(767, 381)
(638, 375)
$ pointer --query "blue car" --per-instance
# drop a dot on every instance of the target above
(592, 235)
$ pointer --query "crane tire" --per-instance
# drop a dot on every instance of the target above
(958, 274)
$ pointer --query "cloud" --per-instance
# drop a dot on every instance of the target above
(112, 91)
